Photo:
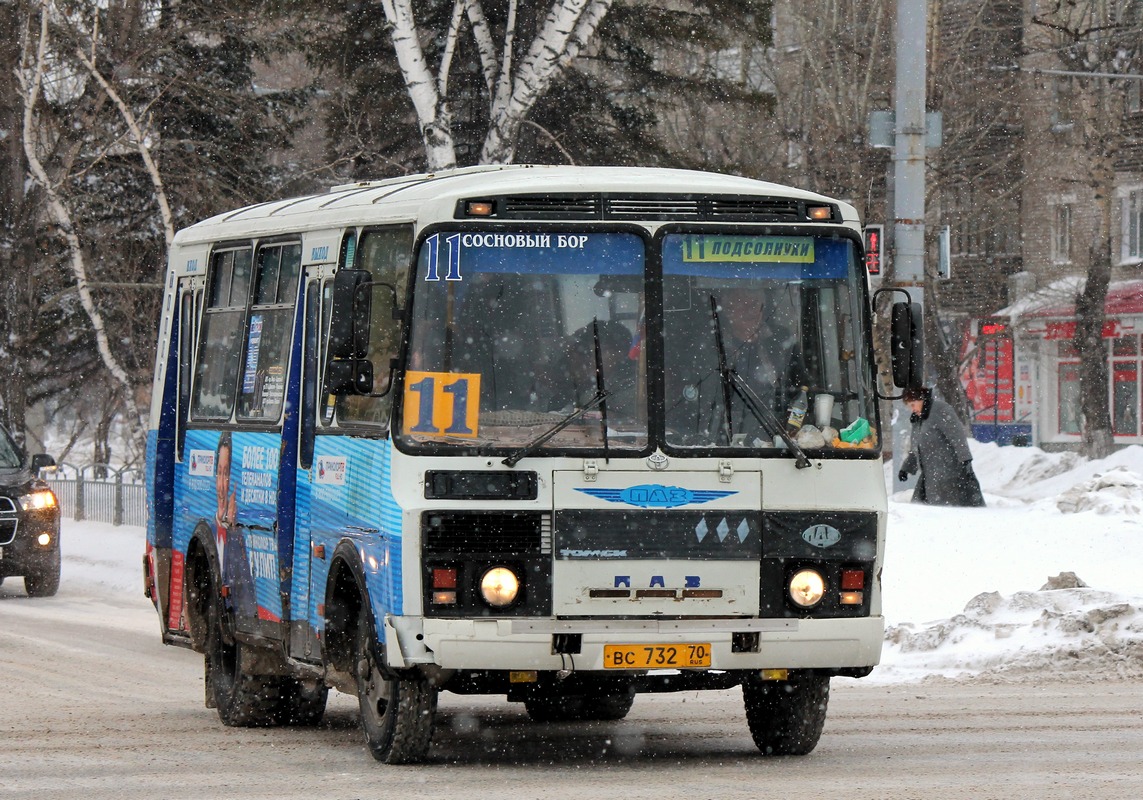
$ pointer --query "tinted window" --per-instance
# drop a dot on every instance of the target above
(221, 340)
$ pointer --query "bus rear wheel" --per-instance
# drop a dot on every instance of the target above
(397, 713)
(607, 707)
(301, 704)
(242, 700)
(786, 718)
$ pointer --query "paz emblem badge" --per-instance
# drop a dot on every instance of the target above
(821, 535)
(657, 461)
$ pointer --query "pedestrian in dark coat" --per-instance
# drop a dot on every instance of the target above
(940, 451)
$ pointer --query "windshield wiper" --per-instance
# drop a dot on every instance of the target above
(533, 445)
(732, 381)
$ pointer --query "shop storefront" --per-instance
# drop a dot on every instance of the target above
(1021, 369)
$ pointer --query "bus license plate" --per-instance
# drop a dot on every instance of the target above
(656, 656)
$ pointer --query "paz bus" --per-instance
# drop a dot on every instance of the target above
(560, 434)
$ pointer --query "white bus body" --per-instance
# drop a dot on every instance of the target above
(530, 431)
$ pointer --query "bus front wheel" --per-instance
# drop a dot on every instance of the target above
(397, 712)
(786, 717)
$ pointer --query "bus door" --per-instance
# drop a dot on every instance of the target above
(304, 644)
(169, 557)
(343, 486)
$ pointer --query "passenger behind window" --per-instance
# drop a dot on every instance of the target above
(619, 370)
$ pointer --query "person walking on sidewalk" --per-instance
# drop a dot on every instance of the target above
(940, 451)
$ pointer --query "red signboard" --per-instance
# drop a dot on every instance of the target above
(988, 376)
(1067, 330)
(873, 249)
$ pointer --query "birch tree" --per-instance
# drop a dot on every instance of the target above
(514, 88)
(133, 119)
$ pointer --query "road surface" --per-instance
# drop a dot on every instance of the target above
(95, 707)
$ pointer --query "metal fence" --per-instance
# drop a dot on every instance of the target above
(100, 492)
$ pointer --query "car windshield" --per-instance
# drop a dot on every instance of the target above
(9, 453)
(513, 332)
(782, 315)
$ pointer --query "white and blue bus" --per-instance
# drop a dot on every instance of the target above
(560, 434)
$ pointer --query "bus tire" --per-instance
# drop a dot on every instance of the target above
(301, 704)
(44, 581)
(242, 700)
(554, 708)
(607, 707)
(397, 712)
(786, 718)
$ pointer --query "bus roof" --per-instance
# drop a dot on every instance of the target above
(433, 196)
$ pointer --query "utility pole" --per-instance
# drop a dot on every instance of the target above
(909, 144)
(911, 35)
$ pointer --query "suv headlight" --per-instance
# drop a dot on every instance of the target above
(35, 501)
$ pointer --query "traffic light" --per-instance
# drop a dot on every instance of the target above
(874, 249)
(993, 327)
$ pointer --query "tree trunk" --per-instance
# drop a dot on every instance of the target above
(15, 230)
(1097, 438)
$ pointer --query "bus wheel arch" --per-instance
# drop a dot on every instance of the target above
(398, 707)
(201, 580)
(344, 598)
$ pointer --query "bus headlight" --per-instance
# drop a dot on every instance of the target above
(806, 588)
(499, 586)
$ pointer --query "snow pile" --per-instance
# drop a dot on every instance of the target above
(1053, 512)
(1064, 628)
(1117, 491)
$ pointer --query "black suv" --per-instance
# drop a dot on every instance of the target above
(29, 520)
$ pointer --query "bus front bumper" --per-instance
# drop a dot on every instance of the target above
(545, 644)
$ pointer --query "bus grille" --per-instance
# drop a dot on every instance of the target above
(652, 207)
(551, 207)
(508, 533)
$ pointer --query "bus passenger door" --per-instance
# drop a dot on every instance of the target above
(304, 644)
(168, 555)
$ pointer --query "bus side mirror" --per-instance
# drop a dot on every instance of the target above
(906, 346)
(350, 312)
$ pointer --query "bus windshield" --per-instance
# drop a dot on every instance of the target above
(783, 315)
(513, 332)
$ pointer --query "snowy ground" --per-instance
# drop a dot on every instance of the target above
(966, 591)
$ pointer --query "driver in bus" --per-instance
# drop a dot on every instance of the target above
(619, 370)
(759, 337)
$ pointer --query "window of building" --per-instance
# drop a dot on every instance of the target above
(1069, 397)
(1131, 212)
(1134, 97)
(965, 235)
(1125, 386)
(795, 154)
(1063, 102)
(1062, 234)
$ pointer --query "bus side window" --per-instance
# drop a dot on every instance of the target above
(310, 377)
(262, 389)
(188, 318)
(221, 336)
(385, 254)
